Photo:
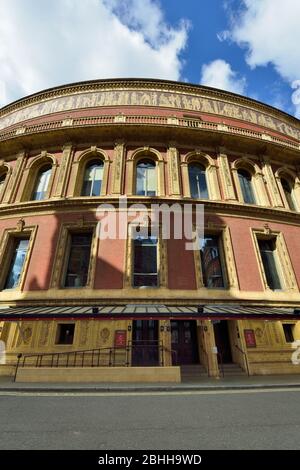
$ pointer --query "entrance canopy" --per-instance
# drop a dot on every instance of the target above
(148, 312)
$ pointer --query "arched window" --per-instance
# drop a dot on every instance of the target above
(197, 179)
(146, 178)
(93, 178)
(2, 182)
(288, 192)
(42, 183)
(245, 180)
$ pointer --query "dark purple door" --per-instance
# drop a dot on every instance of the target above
(145, 351)
(184, 342)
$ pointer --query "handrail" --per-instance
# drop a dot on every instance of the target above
(246, 358)
(219, 354)
(172, 351)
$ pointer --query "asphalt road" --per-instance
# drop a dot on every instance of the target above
(185, 420)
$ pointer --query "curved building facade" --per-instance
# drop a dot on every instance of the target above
(73, 158)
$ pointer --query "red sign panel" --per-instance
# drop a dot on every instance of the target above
(120, 338)
(250, 338)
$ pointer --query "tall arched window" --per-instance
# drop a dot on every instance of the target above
(288, 192)
(197, 179)
(93, 178)
(245, 180)
(2, 182)
(146, 178)
(42, 183)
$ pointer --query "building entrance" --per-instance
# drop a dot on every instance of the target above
(145, 350)
(184, 342)
(223, 341)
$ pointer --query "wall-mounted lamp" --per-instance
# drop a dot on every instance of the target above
(129, 328)
(95, 310)
(205, 328)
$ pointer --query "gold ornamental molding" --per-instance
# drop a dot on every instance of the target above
(147, 93)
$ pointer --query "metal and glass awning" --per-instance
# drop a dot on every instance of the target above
(148, 312)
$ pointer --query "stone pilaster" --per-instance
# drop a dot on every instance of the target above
(118, 168)
(226, 178)
(173, 170)
(64, 170)
(271, 182)
(15, 179)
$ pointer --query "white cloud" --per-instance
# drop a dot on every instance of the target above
(44, 44)
(219, 74)
(269, 31)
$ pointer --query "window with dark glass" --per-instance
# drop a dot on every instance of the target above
(146, 178)
(268, 254)
(41, 184)
(211, 264)
(288, 192)
(245, 180)
(78, 259)
(93, 177)
(145, 262)
(65, 333)
(18, 256)
(197, 179)
(288, 332)
(2, 181)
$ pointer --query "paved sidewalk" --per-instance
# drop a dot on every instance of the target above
(204, 383)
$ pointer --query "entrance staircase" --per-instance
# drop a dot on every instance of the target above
(232, 370)
(192, 372)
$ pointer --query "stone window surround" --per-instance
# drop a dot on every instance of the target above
(286, 271)
(61, 258)
(9, 235)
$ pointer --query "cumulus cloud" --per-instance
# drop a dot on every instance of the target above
(219, 74)
(269, 31)
(44, 44)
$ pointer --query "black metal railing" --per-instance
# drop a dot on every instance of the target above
(206, 360)
(245, 357)
(221, 362)
(145, 355)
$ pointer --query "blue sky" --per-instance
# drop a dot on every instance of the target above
(245, 46)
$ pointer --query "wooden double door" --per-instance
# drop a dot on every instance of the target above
(184, 342)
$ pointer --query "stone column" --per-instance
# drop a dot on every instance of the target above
(185, 179)
(210, 345)
(262, 197)
(213, 183)
(161, 178)
(237, 184)
(130, 184)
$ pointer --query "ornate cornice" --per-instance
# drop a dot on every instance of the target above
(80, 204)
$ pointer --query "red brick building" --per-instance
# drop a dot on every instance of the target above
(145, 301)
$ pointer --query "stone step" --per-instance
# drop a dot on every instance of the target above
(232, 369)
